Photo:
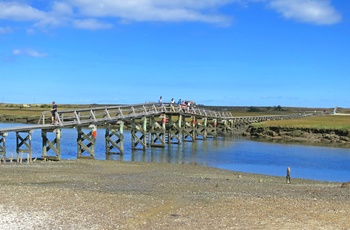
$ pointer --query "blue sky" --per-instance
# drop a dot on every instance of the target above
(215, 52)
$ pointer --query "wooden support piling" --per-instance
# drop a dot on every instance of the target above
(24, 144)
(174, 130)
(189, 132)
(221, 127)
(158, 131)
(200, 126)
(139, 133)
(54, 145)
(114, 138)
(3, 146)
(211, 128)
(86, 142)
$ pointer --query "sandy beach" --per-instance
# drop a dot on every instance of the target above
(92, 194)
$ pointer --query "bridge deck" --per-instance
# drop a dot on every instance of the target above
(112, 114)
(24, 128)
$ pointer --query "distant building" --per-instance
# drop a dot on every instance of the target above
(25, 106)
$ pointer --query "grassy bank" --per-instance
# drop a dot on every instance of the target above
(322, 122)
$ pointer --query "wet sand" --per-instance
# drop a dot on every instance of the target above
(92, 194)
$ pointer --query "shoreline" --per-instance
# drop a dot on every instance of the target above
(35, 161)
(86, 194)
(309, 136)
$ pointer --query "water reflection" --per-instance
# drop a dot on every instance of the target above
(184, 153)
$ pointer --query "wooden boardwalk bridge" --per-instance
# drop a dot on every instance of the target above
(151, 125)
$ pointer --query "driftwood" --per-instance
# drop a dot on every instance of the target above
(345, 185)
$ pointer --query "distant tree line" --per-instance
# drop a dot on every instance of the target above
(259, 109)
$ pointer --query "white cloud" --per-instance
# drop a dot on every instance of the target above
(85, 13)
(5, 30)
(62, 8)
(91, 24)
(28, 52)
(19, 12)
(155, 10)
(311, 11)
(93, 15)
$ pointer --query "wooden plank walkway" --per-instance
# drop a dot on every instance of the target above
(101, 115)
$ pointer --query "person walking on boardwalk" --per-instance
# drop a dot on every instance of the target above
(53, 113)
(160, 101)
(183, 106)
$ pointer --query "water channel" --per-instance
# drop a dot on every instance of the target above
(327, 163)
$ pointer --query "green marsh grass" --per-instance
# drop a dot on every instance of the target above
(335, 122)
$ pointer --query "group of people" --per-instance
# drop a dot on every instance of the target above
(186, 105)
